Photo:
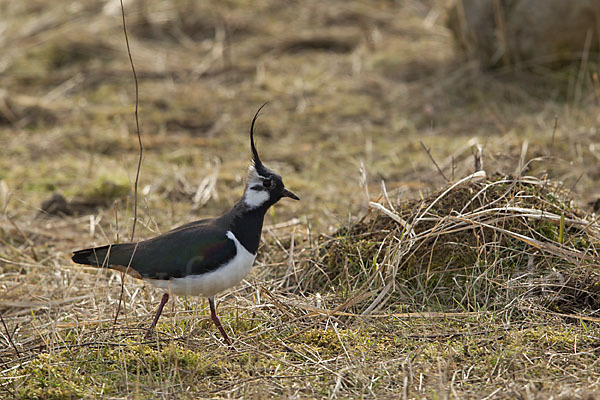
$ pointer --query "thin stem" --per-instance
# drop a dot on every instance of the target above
(139, 165)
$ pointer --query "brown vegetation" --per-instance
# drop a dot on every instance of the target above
(487, 289)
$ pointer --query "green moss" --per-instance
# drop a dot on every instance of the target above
(76, 374)
(46, 378)
(322, 341)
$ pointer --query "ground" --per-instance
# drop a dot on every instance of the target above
(357, 91)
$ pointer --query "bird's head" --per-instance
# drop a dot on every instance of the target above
(264, 186)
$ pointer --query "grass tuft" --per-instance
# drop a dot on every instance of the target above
(500, 244)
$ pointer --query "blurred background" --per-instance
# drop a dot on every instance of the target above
(348, 82)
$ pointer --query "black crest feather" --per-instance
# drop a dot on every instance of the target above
(258, 165)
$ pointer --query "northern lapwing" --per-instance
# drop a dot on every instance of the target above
(204, 257)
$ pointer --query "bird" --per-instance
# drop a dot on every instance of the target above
(204, 257)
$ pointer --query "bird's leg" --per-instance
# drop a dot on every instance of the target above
(216, 320)
(163, 301)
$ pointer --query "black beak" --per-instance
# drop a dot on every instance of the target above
(287, 193)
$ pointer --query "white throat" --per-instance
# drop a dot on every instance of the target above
(254, 198)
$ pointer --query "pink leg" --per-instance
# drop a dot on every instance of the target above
(163, 301)
(217, 321)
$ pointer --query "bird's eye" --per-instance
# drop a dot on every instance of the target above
(267, 183)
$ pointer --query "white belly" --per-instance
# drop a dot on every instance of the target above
(213, 282)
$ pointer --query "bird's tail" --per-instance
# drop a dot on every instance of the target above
(106, 256)
(114, 256)
(96, 256)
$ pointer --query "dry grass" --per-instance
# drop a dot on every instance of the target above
(488, 289)
(478, 244)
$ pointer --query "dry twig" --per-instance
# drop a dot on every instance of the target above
(141, 148)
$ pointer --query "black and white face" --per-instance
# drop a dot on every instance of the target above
(265, 187)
